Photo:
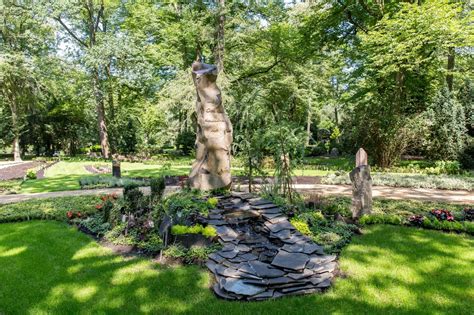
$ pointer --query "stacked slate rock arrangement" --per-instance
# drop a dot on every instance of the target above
(263, 255)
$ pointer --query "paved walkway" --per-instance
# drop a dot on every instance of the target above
(397, 193)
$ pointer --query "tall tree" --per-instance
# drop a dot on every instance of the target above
(25, 39)
(85, 21)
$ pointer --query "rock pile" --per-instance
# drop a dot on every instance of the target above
(263, 255)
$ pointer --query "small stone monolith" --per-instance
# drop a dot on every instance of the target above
(361, 186)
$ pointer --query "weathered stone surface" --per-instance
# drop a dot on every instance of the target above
(283, 234)
(293, 261)
(241, 214)
(238, 286)
(211, 169)
(263, 206)
(300, 275)
(217, 222)
(268, 216)
(361, 158)
(259, 201)
(361, 191)
(261, 269)
(277, 227)
(228, 254)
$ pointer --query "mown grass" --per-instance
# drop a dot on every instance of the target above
(50, 268)
(65, 175)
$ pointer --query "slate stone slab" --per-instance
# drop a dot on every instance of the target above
(283, 234)
(263, 296)
(325, 284)
(261, 269)
(217, 258)
(221, 293)
(274, 210)
(217, 222)
(228, 254)
(211, 265)
(238, 286)
(263, 206)
(259, 201)
(277, 219)
(293, 261)
(300, 275)
(269, 216)
(282, 225)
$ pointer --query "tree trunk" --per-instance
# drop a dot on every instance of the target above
(449, 76)
(308, 126)
(16, 148)
(16, 130)
(103, 134)
(219, 55)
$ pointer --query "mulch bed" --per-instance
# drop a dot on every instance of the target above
(101, 170)
(17, 171)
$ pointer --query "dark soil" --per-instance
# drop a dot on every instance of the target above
(17, 171)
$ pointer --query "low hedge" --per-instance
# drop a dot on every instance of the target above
(434, 224)
(47, 209)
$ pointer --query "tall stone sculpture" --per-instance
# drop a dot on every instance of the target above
(211, 169)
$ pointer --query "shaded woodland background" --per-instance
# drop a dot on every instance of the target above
(298, 78)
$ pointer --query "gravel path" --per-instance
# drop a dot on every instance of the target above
(397, 193)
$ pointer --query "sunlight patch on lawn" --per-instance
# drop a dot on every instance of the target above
(12, 251)
(81, 293)
(137, 271)
(91, 251)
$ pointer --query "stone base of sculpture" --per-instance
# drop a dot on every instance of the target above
(361, 191)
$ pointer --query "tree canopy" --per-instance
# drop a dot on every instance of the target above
(298, 77)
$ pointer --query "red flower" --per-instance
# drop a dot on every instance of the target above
(79, 214)
(69, 214)
(99, 206)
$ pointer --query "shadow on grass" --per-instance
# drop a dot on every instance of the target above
(49, 184)
(46, 267)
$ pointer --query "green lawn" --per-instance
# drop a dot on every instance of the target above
(48, 267)
(65, 175)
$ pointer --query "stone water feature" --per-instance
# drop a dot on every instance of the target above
(263, 255)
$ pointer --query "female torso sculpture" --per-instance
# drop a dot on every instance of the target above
(211, 169)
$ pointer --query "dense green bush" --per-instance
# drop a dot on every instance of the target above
(419, 220)
(183, 204)
(95, 224)
(194, 254)
(157, 188)
(207, 231)
(333, 235)
(381, 219)
(301, 226)
(30, 174)
(133, 197)
(446, 125)
(90, 182)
